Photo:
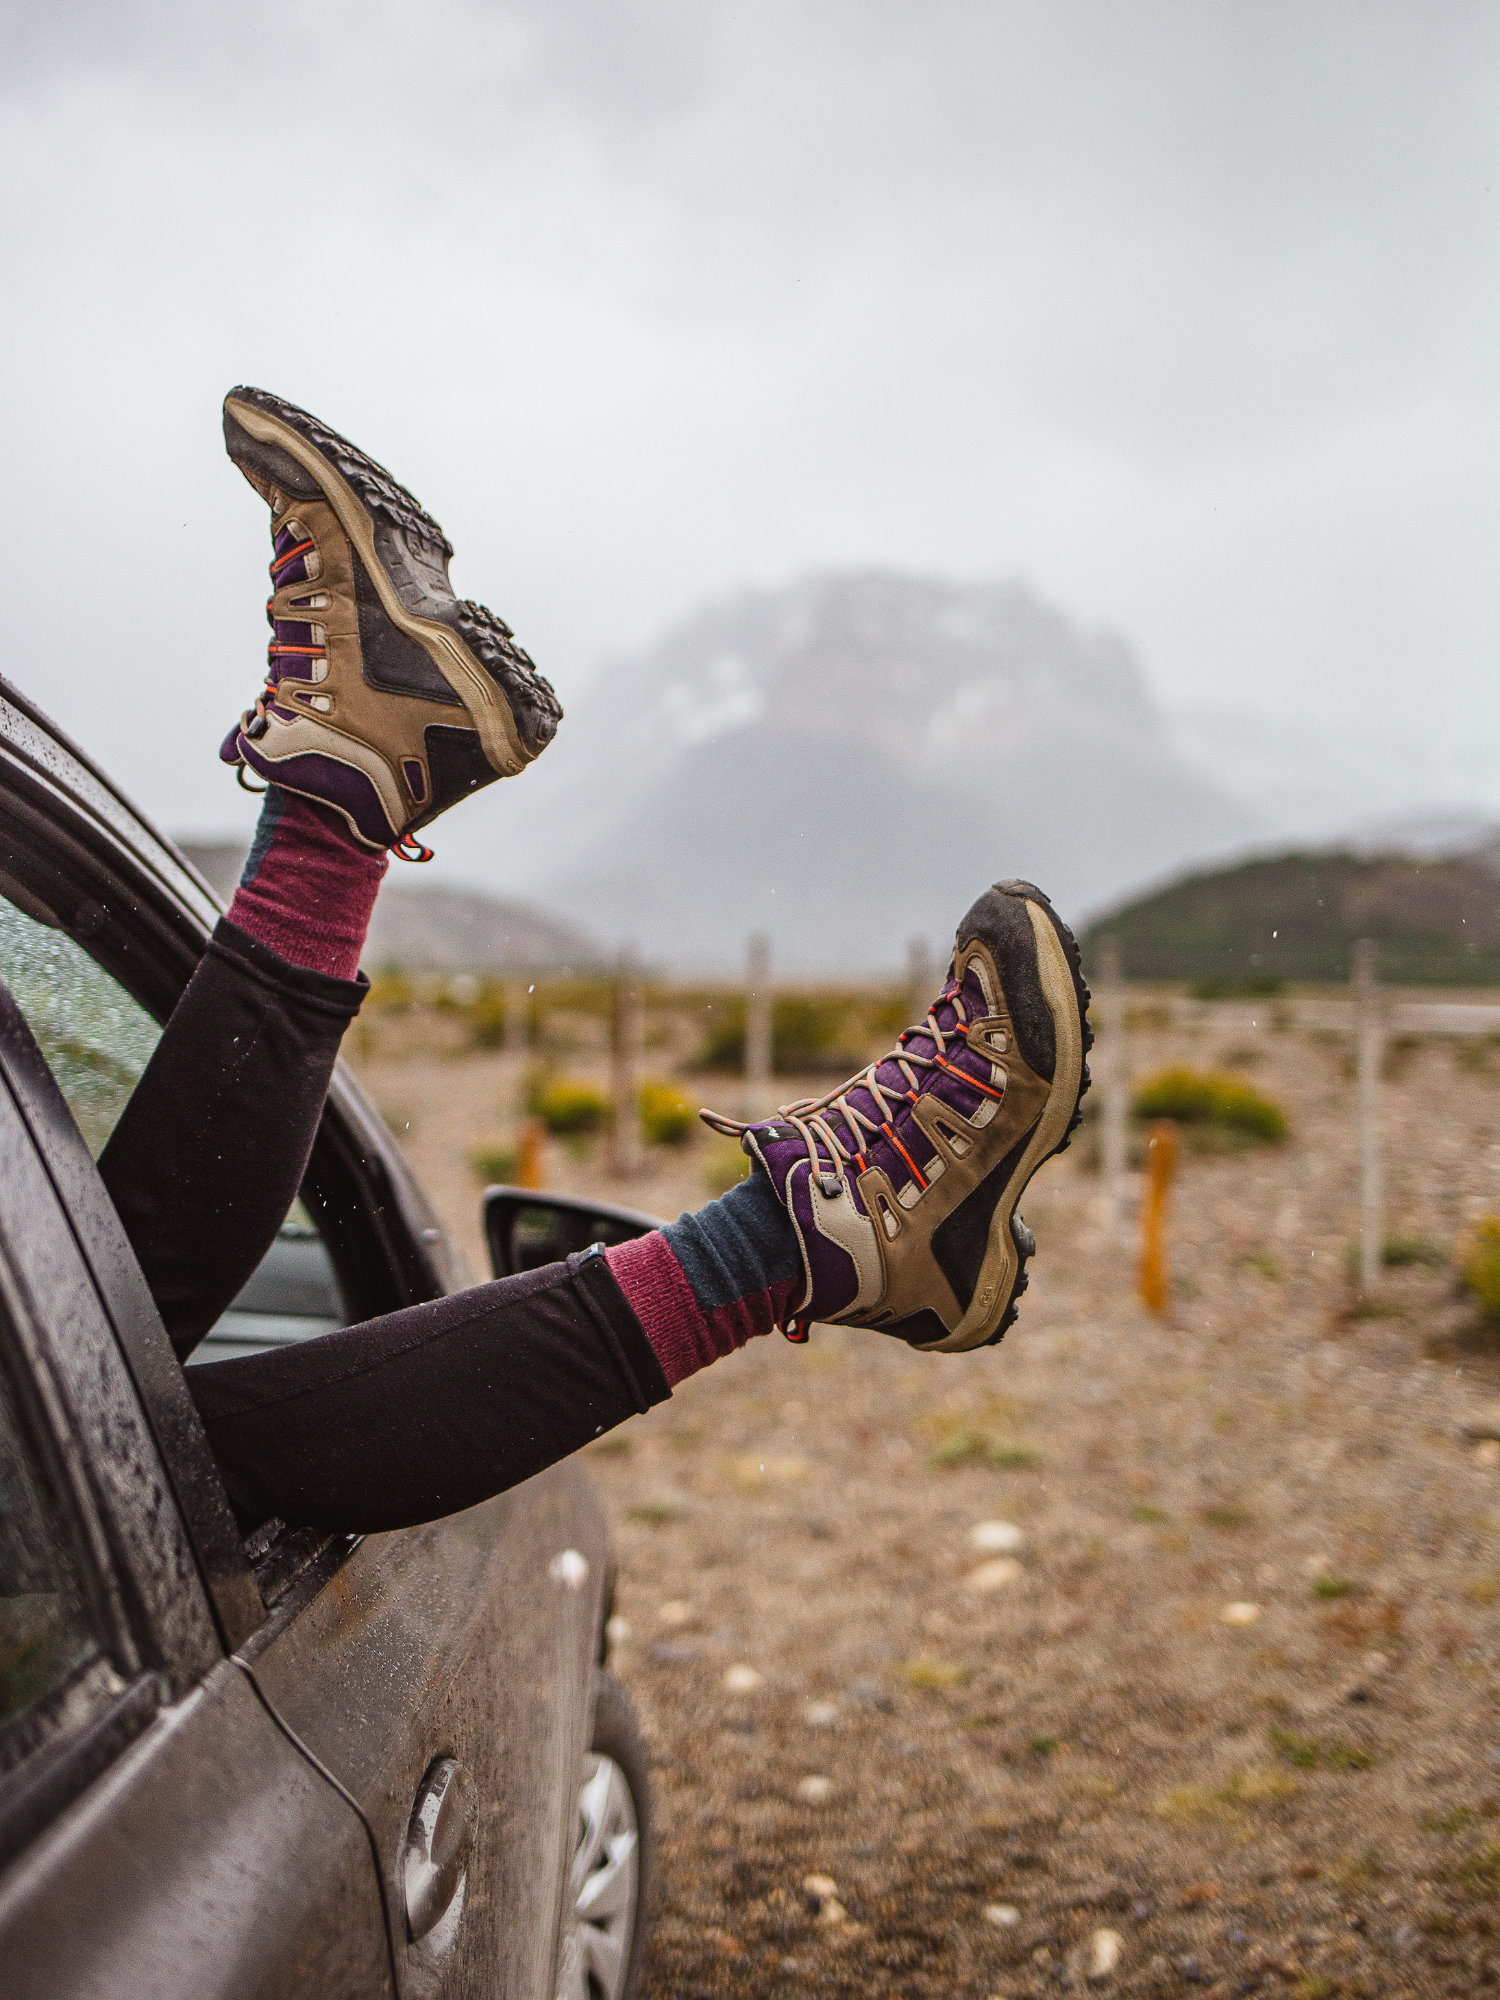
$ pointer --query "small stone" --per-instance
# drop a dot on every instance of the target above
(819, 1886)
(675, 1612)
(743, 1680)
(991, 1576)
(1105, 1948)
(1375, 1664)
(815, 1791)
(617, 1631)
(832, 1912)
(1240, 1614)
(1488, 1453)
(996, 1538)
(1003, 1915)
(821, 1714)
(1142, 1912)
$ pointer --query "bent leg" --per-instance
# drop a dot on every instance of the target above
(432, 1409)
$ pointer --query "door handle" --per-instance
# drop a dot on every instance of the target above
(435, 1867)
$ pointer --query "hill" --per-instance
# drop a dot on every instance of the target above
(843, 764)
(434, 924)
(1296, 917)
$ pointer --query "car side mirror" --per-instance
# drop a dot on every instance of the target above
(526, 1229)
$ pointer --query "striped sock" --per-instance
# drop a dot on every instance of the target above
(309, 888)
(709, 1282)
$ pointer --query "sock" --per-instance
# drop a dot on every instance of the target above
(308, 888)
(709, 1282)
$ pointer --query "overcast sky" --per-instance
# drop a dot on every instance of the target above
(1185, 312)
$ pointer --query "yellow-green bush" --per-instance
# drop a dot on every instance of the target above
(667, 1119)
(565, 1105)
(1481, 1265)
(1211, 1097)
(495, 1163)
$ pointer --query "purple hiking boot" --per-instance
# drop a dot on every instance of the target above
(386, 698)
(902, 1184)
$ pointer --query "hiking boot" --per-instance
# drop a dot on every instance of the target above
(902, 1185)
(386, 698)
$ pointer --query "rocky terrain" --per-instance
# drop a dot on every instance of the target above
(1133, 1656)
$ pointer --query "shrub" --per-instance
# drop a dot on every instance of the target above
(486, 1018)
(1210, 1097)
(1252, 986)
(806, 1034)
(495, 1163)
(1481, 1266)
(566, 1106)
(667, 1119)
(391, 991)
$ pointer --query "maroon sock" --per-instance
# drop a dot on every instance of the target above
(309, 887)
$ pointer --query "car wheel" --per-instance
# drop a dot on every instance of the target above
(613, 1866)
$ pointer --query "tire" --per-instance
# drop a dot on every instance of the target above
(612, 1882)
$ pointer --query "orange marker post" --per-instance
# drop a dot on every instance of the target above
(1161, 1158)
(529, 1170)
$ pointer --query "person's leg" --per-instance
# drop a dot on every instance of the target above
(390, 1423)
(429, 1410)
(387, 700)
(211, 1149)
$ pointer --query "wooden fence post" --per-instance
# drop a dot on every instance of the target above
(757, 1026)
(625, 1068)
(1369, 1037)
(1109, 1013)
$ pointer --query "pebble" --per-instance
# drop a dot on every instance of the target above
(819, 1886)
(1002, 1914)
(1105, 1948)
(742, 1679)
(996, 1575)
(675, 1612)
(1240, 1614)
(815, 1791)
(996, 1538)
(821, 1714)
(617, 1631)
(1488, 1453)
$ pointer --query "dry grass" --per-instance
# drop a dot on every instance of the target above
(1306, 1803)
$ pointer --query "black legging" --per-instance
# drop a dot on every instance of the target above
(380, 1425)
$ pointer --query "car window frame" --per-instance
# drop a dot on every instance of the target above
(69, 841)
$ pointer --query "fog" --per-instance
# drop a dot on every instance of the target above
(1186, 315)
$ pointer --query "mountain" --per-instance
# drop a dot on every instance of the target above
(844, 764)
(434, 924)
(1296, 916)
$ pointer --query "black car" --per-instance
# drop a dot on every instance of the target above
(300, 1764)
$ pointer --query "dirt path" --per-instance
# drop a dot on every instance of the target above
(997, 1747)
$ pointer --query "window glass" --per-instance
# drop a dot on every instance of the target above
(95, 1038)
(44, 1629)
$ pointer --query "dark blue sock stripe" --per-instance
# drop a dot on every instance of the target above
(739, 1245)
(265, 832)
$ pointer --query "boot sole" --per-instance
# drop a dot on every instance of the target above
(482, 699)
(1002, 1276)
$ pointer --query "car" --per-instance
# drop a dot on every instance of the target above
(302, 1765)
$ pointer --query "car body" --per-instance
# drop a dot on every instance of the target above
(303, 1764)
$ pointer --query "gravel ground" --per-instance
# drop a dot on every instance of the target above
(936, 1654)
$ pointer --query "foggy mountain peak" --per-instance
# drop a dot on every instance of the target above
(845, 763)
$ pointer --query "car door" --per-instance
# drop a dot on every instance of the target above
(160, 1834)
(470, 1642)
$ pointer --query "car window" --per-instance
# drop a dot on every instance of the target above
(293, 1295)
(45, 1632)
(95, 1038)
